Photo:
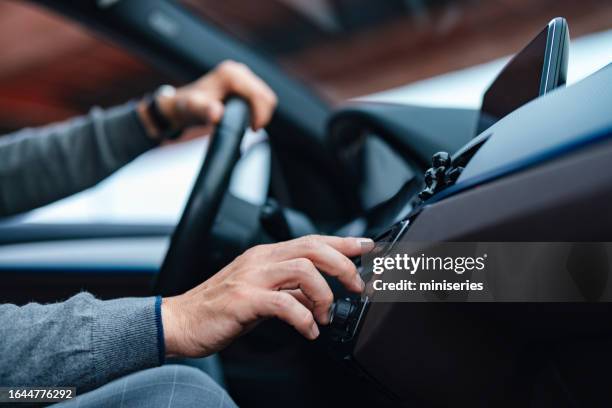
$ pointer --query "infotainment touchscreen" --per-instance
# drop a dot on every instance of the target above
(539, 68)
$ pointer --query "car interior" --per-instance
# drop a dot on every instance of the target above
(391, 171)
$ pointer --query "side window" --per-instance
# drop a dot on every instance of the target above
(52, 68)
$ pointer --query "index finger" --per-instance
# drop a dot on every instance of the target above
(329, 254)
(347, 246)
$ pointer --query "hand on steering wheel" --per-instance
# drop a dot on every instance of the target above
(193, 232)
(200, 102)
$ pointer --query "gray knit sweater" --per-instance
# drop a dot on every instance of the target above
(82, 342)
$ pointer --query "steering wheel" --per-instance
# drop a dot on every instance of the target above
(179, 271)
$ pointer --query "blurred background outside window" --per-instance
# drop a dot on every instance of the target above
(348, 48)
(52, 68)
(427, 52)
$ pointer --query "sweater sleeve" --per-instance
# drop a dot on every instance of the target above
(82, 342)
(41, 165)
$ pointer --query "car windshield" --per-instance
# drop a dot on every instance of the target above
(348, 48)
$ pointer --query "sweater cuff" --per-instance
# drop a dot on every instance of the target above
(161, 342)
(125, 337)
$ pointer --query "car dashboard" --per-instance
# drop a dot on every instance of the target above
(539, 174)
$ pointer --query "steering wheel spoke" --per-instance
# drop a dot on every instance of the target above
(180, 269)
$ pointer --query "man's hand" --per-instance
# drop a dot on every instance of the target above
(277, 280)
(201, 102)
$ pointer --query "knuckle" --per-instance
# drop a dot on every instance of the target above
(272, 99)
(241, 292)
(239, 66)
(256, 251)
(349, 267)
(267, 94)
(268, 102)
(230, 68)
(305, 320)
(260, 100)
(249, 252)
(226, 65)
(227, 72)
(265, 253)
(280, 300)
(275, 250)
(302, 265)
(242, 258)
(311, 243)
(323, 296)
(350, 244)
(328, 298)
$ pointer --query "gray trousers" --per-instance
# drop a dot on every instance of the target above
(172, 386)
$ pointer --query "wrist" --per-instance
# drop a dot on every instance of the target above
(170, 322)
(146, 121)
(159, 114)
(166, 103)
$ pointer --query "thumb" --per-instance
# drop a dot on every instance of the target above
(214, 111)
(199, 108)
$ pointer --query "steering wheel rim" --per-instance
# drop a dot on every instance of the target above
(179, 271)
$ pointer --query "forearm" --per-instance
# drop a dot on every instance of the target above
(82, 342)
(41, 165)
